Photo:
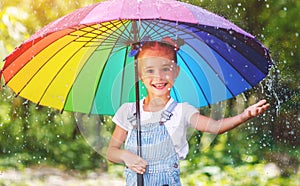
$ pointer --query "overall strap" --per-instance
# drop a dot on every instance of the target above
(132, 116)
(167, 114)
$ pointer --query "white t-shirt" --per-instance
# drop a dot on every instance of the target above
(177, 126)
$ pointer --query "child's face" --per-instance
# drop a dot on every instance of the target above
(157, 71)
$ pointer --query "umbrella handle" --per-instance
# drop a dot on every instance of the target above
(140, 178)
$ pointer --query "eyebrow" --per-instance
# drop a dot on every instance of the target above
(167, 65)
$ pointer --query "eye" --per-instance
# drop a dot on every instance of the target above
(166, 69)
(149, 71)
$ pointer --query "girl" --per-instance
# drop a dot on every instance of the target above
(164, 122)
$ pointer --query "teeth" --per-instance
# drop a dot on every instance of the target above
(159, 85)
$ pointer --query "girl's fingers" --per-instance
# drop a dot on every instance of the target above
(257, 108)
(261, 103)
(139, 169)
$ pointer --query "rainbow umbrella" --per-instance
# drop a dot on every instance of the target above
(77, 62)
(80, 62)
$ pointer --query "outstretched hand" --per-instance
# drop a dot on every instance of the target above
(256, 109)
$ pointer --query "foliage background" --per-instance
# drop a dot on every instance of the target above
(32, 135)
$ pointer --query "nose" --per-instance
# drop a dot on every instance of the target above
(159, 74)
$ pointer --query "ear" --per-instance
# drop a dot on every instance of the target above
(139, 70)
(140, 76)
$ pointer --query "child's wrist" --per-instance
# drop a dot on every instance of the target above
(244, 116)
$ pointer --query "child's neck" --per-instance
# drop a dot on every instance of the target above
(155, 104)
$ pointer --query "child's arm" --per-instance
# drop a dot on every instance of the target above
(118, 155)
(206, 124)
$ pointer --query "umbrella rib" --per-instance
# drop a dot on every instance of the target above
(110, 39)
(124, 40)
(54, 77)
(212, 48)
(112, 36)
(100, 78)
(118, 35)
(38, 71)
(184, 60)
(242, 75)
(163, 29)
(73, 85)
(159, 32)
(147, 31)
(41, 68)
(143, 34)
(194, 77)
(123, 74)
(234, 48)
(206, 61)
(114, 32)
(162, 33)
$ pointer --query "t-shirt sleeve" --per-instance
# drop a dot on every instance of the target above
(121, 117)
(189, 111)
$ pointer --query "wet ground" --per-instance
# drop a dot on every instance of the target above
(46, 176)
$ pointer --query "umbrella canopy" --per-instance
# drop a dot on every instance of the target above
(80, 62)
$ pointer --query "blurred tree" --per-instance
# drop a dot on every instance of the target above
(32, 134)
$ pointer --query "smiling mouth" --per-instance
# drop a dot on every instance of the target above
(159, 85)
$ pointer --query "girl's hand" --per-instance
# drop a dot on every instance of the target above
(135, 163)
(255, 110)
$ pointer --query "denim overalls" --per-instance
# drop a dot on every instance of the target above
(158, 150)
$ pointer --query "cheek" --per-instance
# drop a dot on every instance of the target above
(170, 76)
